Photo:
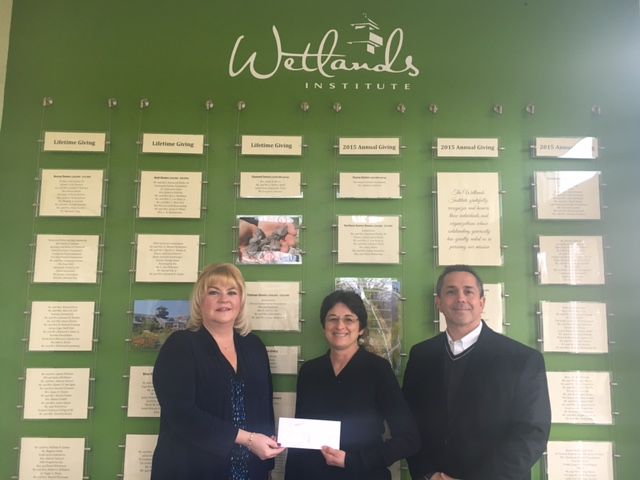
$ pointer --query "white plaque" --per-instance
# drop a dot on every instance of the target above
(170, 194)
(570, 260)
(66, 259)
(577, 460)
(368, 239)
(566, 147)
(567, 195)
(467, 147)
(284, 405)
(369, 185)
(270, 185)
(56, 393)
(61, 326)
(369, 146)
(279, 145)
(75, 141)
(283, 360)
(167, 258)
(70, 193)
(138, 456)
(142, 400)
(493, 313)
(273, 305)
(574, 327)
(469, 218)
(279, 466)
(178, 144)
(580, 397)
(51, 458)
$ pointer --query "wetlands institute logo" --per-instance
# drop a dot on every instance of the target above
(320, 63)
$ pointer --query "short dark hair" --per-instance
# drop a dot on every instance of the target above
(459, 268)
(350, 299)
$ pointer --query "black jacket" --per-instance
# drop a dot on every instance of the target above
(191, 378)
(500, 419)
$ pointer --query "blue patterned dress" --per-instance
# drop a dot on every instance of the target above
(239, 454)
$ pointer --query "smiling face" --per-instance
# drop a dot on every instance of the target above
(221, 305)
(342, 328)
(460, 301)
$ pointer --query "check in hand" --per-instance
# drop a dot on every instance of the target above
(333, 457)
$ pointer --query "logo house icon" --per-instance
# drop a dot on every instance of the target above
(374, 40)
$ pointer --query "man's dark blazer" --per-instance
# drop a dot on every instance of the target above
(500, 419)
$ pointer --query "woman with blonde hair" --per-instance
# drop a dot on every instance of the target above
(213, 384)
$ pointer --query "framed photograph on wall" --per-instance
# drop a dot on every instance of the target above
(269, 239)
(155, 320)
(381, 297)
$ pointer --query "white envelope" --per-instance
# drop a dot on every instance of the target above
(307, 433)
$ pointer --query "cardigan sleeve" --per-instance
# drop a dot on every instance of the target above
(403, 439)
(174, 380)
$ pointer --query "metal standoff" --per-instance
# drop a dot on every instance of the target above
(112, 102)
(401, 108)
(596, 110)
(433, 108)
(144, 103)
(530, 109)
(337, 107)
(304, 106)
(208, 104)
(241, 105)
(47, 101)
(497, 108)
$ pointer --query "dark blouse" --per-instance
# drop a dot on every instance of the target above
(193, 380)
(363, 396)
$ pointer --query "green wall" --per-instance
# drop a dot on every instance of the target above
(564, 57)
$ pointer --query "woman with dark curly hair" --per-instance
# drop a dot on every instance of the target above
(357, 388)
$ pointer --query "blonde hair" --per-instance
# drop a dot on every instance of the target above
(218, 273)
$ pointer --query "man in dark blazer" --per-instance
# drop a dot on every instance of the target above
(479, 398)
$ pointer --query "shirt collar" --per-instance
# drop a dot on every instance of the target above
(459, 346)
